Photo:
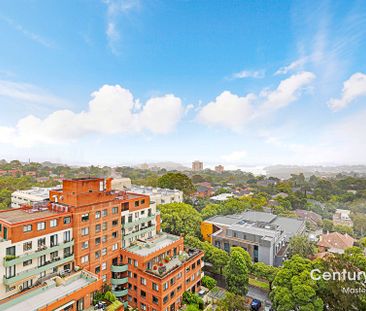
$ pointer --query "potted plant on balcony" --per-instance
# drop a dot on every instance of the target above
(166, 259)
(155, 267)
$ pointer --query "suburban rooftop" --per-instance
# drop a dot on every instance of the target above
(18, 215)
(149, 246)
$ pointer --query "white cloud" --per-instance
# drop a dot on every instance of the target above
(353, 88)
(248, 74)
(234, 112)
(287, 91)
(297, 64)
(114, 9)
(228, 110)
(235, 156)
(29, 93)
(110, 111)
(30, 35)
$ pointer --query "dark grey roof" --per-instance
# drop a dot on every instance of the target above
(291, 226)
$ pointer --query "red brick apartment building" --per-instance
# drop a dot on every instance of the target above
(57, 254)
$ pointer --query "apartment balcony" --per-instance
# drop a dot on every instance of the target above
(36, 270)
(35, 254)
(138, 221)
(119, 268)
(138, 232)
(119, 281)
(120, 292)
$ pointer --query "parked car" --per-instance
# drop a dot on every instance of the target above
(255, 305)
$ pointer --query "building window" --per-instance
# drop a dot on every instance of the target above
(143, 306)
(27, 228)
(54, 240)
(172, 281)
(104, 278)
(41, 242)
(85, 259)
(104, 226)
(179, 275)
(85, 245)
(155, 300)
(97, 228)
(85, 231)
(104, 213)
(137, 203)
(27, 246)
(97, 215)
(97, 254)
(115, 222)
(155, 286)
(27, 262)
(172, 294)
(104, 266)
(143, 294)
(130, 218)
(143, 281)
(41, 225)
(114, 234)
(53, 223)
(114, 210)
(104, 238)
(85, 217)
(115, 247)
(97, 269)
(67, 236)
(104, 251)
(165, 286)
(67, 220)
(165, 300)
(97, 241)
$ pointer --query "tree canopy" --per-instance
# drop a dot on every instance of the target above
(177, 181)
(300, 245)
(180, 219)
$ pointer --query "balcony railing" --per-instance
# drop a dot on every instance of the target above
(119, 268)
(36, 270)
(37, 253)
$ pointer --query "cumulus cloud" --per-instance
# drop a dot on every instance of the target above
(287, 91)
(353, 88)
(235, 156)
(112, 110)
(234, 112)
(258, 74)
(228, 110)
(297, 64)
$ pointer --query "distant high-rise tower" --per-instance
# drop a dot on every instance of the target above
(197, 166)
(219, 168)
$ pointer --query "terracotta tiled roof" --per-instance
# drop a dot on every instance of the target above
(336, 240)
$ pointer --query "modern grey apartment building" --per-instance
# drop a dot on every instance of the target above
(264, 235)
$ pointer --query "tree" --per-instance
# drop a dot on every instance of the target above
(327, 225)
(261, 270)
(293, 288)
(232, 302)
(236, 272)
(343, 229)
(176, 181)
(363, 242)
(180, 219)
(213, 255)
(208, 282)
(190, 298)
(300, 245)
(192, 308)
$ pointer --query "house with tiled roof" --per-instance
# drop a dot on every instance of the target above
(335, 242)
(310, 216)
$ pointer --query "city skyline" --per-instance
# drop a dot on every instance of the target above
(185, 81)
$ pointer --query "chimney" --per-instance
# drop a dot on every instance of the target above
(108, 184)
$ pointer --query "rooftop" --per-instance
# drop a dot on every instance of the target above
(37, 298)
(150, 246)
(152, 190)
(260, 223)
(42, 193)
(17, 215)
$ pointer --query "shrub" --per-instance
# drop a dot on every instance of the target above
(208, 282)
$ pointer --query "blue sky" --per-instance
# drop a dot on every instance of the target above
(234, 82)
